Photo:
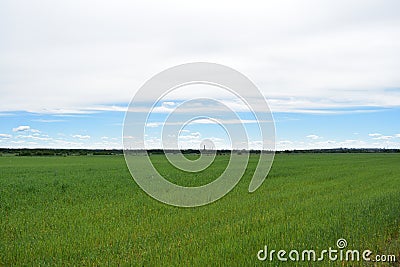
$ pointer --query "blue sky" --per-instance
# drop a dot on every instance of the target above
(103, 129)
(329, 69)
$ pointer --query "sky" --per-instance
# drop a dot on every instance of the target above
(329, 70)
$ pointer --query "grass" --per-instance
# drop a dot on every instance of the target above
(87, 210)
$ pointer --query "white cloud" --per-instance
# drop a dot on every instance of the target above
(153, 124)
(374, 134)
(81, 137)
(35, 137)
(25, 128)
(47, 121)
(205, 121)
(5, 135)
(397, 135)
(378, 136)
(196, 134)
(383, 137)
(191, 136)
(151, 143)
(168, 104)
(230, 121)
(21, 128)
(18, 142)
(285, 142)
(92, 109)
(305, 55)
(166, 107)
(313, 136)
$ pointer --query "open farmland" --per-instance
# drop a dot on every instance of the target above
(87, 210)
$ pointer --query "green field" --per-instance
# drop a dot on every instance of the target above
(87, 210)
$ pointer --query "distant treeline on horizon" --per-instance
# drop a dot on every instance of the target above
(80, 152)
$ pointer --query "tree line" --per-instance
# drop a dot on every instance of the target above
(99, 152)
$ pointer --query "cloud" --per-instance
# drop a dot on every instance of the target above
(21, 128)
(153, 124)
(229, 121)
(191, 136)
(47, 121)
(25, 128)
(397, 135)
(206, 121)
(81, 137)
(18, 142)
(284, 142)
(92, 109)
(35, 137)
(166, 107)
(313, 55)
(313, 136)
(168, 104)
(152, 142)
(374, 134)
(378, 136)
(5, 135)
(383, 137)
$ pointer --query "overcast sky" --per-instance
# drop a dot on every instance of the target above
(307, 57)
